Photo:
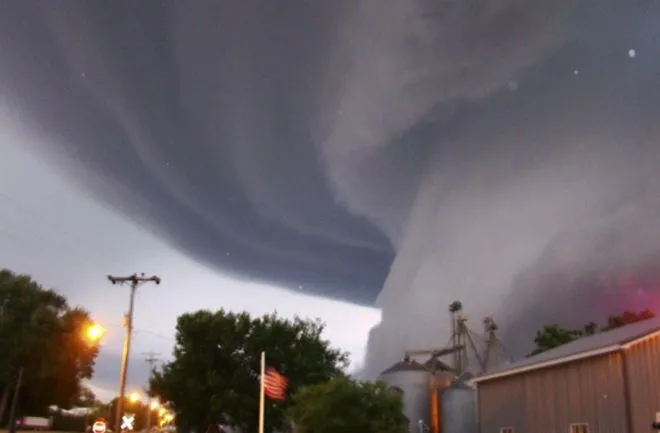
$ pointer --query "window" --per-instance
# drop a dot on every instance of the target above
(507, 430)
(581, 427)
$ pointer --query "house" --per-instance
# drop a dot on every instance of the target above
(606, 382)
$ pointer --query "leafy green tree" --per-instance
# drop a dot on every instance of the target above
(551, 336)
(41, 334)
(342, 405)
(214, 377)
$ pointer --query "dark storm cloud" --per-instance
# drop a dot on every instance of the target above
(478, 136)
(542, 194)
(197, 119)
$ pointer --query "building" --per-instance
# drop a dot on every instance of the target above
(434, 399)
(604, 383)
(413, 381)
(458, 409)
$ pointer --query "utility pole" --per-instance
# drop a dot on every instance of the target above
(135, 281)
(150, 358)
(14, 402)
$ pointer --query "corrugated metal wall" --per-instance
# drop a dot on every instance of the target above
(643, 368)
(549, 400)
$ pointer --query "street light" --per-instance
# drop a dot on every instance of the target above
(94, 332)
(166, 417)
(154, 405)
(134, 397)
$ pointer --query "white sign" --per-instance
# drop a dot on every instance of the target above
(127, 422)
(98, 427)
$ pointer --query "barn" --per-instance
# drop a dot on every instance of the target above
(604, 383)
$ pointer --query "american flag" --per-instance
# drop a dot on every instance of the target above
(275, 384)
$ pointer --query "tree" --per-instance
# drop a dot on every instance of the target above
(551, 336)
(343, 405)
(214, 377)
(590, 328)
(86, 398)
(627, 318)
(42, 335)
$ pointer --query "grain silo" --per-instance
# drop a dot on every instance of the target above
(441, 376)
(436, 396)
(420, 386)
(411, 380)
(459, 408)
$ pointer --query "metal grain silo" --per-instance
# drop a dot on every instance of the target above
(441, 378)
(411, 380)
(459, 408)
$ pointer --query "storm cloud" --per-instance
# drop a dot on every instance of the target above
(186, 117)
(491, 147)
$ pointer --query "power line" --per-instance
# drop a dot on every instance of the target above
(155, 334)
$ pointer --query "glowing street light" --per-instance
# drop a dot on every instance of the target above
(95, 332)
(154, 405)
(166, 418)
(134, 397)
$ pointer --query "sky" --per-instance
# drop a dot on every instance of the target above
(242, 234)
(69, 242)
(385, 153)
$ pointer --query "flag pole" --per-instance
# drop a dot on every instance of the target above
(262, 392)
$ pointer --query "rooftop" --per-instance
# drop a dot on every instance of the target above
(435, 364)
(586, 347)
(409, 364)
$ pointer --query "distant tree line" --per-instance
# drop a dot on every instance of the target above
(551, 336)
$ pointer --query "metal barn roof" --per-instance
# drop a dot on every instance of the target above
(585, 347)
